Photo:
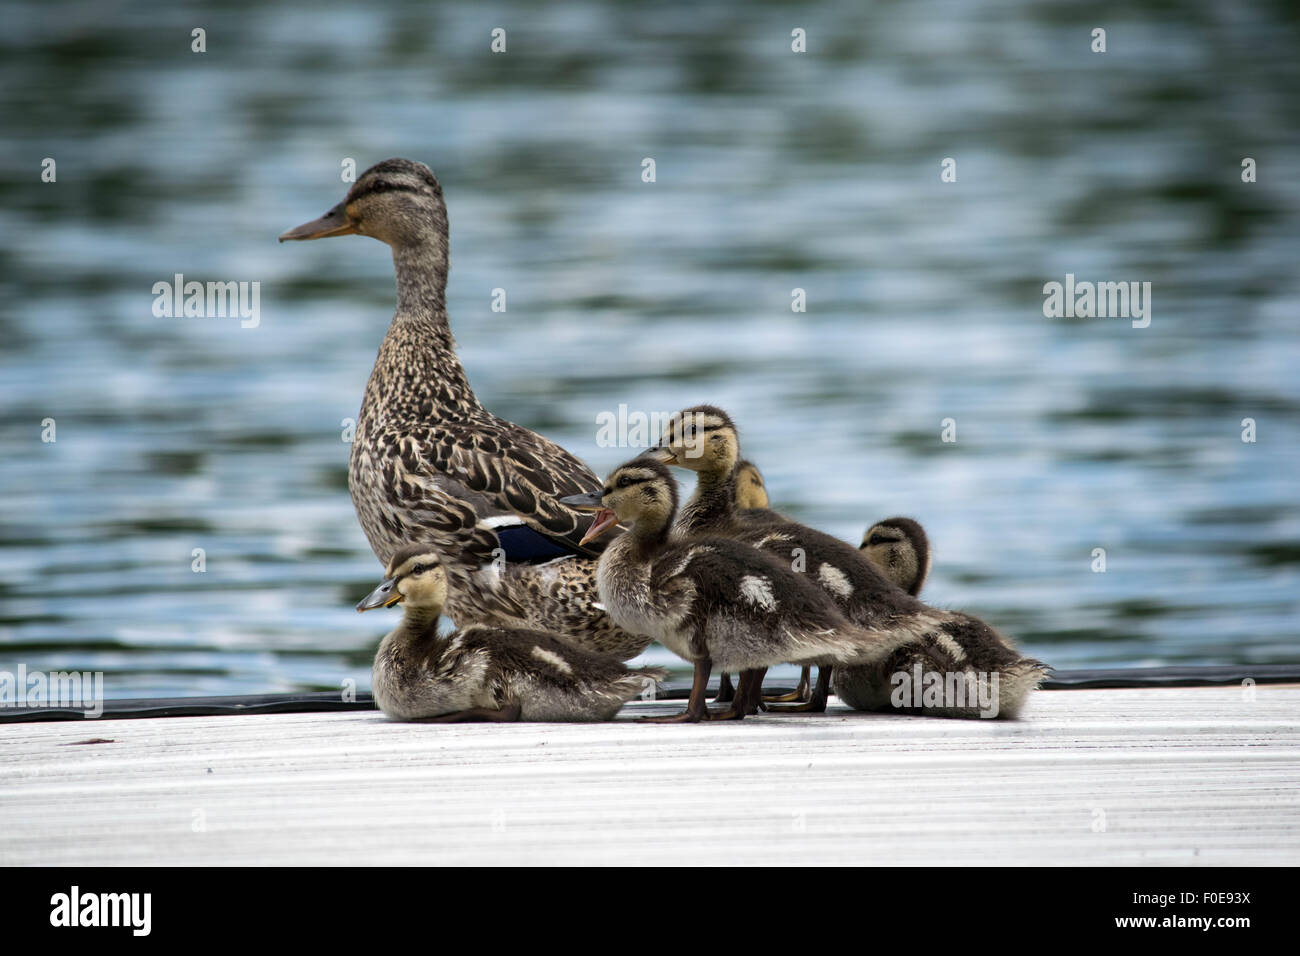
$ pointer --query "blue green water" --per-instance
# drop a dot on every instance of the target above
(774, 171)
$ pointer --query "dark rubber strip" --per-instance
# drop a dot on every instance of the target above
(329, 701)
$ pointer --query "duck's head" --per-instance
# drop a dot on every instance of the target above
(641, 492)
(414, 577)
(702, 438)
(751, 492)
(398, 201)
(899, 547)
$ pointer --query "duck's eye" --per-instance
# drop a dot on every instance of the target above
(882, 539)
(624, 481)
(421, 568)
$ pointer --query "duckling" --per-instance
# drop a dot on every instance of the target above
(483, 673)
(424, 445)
(900, 548)
(751, 490)
(704, 439)
(711, 599)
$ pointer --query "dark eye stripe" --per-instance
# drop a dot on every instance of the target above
(382, 186)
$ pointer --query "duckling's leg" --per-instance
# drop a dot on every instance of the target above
(801, 691)
(697, 708)
(748, 700)
(475, 715)
(726, 692)
(753, 696)
(816, 703)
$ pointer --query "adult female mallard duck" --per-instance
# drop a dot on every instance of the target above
(712, 599)
(429, 463)
(900, 548)
(483, 673)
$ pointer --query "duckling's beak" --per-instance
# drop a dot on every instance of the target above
(664, 454)
(333, 223)
(386, 595)
(605, 519)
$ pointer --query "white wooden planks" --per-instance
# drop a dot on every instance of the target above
(1196, 776)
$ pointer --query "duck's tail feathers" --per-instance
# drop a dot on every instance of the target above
(1017, 682)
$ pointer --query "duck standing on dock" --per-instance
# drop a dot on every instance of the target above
(704, 439)
(481, 672)
(711, 599)
(429, 463)
(751, 492)
(901, 549)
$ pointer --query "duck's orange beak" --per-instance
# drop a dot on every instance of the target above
(333, 223)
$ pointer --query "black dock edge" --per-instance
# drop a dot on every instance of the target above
(330, 701)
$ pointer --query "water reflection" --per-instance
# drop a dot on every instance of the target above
(775, 171)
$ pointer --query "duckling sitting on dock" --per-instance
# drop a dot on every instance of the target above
(900, 548)
(712, 599)
(483, 673)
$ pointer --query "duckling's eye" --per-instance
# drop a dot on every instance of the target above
(882, 539)
(421, 568)
(624, 481)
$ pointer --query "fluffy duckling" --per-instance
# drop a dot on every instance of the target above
(966, 665)
(899, 547)
(710, 599)
(703, 439)
(751, 490)
(483, 673)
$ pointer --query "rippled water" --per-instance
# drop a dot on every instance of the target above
(775, 171)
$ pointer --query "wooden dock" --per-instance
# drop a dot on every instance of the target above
(1201, 776)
